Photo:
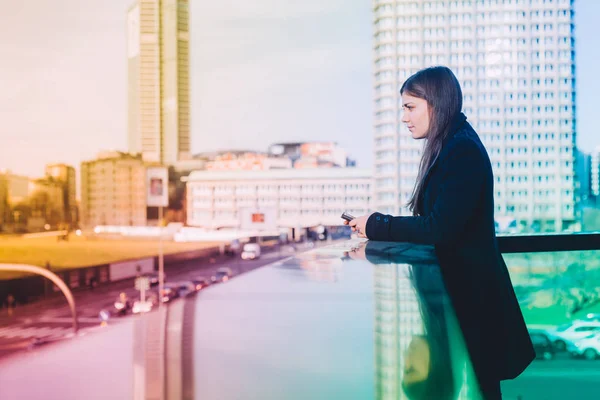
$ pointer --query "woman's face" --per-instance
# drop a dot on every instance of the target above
(416, 115)
(416, 361)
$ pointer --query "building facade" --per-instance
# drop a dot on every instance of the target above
(515, 60)
(158, 75)
(113, 190)
(298, 198)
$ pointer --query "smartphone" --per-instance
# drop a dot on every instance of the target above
(347, 216)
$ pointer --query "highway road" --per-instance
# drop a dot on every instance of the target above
(51, 319)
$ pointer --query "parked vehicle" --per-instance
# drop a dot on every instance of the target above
(572, 332)
(588, 347)
(542, 344)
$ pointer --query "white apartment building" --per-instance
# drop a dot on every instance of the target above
(113, 190)
(299, 198)
(515, 60)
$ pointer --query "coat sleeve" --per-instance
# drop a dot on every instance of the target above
(459, 195)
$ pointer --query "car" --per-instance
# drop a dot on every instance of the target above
(174, 290)
(588, 347)
(169, 293)
(183, 289)
(542, 344)
(153, 278)
(201, 282)
(223, 274)
(143, 306)
(233, 247)
(251, 251)
(150, 302)
(572, 332)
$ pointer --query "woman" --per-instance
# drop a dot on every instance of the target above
(453, 209)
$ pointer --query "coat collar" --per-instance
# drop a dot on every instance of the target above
(455, 125)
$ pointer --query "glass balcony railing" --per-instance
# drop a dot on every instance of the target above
(375, 323)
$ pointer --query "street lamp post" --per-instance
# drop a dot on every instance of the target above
(161, 260)
(54, 278)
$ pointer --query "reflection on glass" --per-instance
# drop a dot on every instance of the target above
(555, 288)
(419, 349)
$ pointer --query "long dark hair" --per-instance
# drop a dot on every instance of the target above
(440, 88)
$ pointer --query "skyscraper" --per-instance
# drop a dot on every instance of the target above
(515, 60)
(158, 63)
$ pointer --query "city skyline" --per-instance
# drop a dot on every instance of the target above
(251, 85)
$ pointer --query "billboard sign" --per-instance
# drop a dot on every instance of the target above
(157, 187)
(258, 218)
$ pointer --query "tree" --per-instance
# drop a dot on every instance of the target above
(176, 189)
(40, 204)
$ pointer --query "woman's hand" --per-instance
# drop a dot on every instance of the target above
(359, 225)
(358, 252)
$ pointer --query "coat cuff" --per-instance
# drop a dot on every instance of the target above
(378, 227)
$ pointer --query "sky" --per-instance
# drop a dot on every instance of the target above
(262, 71)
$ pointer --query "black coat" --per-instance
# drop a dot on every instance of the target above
(458, 219)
